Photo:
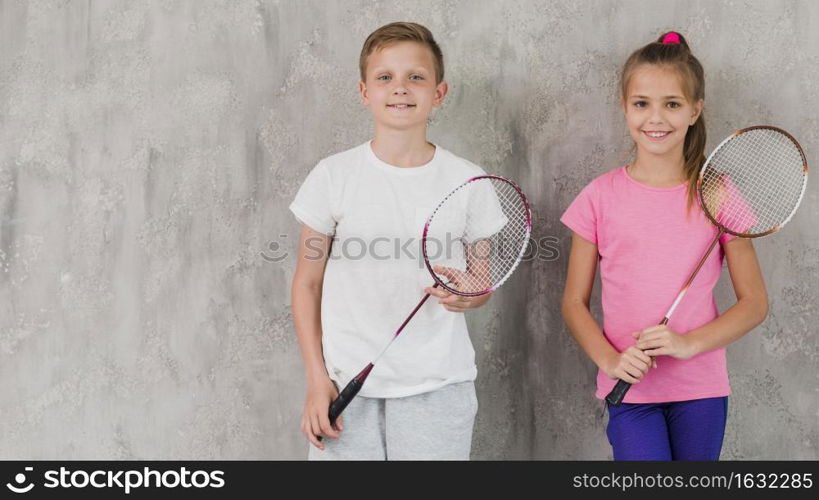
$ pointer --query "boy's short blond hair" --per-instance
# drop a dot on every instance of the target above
(401, 32)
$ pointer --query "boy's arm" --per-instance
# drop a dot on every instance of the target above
(306, 299)
(631, 364)
(314, 249)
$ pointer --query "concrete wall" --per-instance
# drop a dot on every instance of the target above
(149, 150)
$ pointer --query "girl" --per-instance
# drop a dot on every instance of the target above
(644, 225)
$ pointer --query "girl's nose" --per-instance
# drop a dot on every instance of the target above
(656, 116)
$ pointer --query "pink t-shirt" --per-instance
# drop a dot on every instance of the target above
(649, 243)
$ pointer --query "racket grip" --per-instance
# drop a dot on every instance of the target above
(344, 398)
(615, 397)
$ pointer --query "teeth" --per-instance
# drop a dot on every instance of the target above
(656, 134)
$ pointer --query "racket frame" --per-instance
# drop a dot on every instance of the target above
(711, 157)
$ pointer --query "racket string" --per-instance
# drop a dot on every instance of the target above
(754, 183)
(489, 243)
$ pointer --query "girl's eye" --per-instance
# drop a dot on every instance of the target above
(673, 105)
(640, 104)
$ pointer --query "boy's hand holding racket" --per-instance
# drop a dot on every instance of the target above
(315, 421)
(453, 302)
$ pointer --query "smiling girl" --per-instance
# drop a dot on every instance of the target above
(643, 225)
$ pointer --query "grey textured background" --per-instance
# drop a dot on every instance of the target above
(149, 150)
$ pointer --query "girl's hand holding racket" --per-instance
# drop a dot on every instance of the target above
(630, 365)
(315, 422)
(663, 341)
(451, 301)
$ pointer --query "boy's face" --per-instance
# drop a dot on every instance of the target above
(400, 87)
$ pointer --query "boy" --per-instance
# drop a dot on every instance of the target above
(366, 205)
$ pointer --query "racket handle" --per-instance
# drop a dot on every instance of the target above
(615, 397)
(343, 399)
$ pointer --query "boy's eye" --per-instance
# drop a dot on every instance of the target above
(383, 78)
(416, 77)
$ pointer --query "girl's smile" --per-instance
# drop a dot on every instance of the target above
(657, 136)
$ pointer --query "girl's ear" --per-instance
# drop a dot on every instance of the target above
(697, 111)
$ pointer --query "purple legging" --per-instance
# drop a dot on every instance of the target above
(684, 430)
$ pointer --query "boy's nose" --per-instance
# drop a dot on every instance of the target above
(399, 89)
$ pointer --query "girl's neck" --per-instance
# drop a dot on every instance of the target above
(658, 171)
(403, 148)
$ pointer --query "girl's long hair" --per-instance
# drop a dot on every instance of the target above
(672, 51)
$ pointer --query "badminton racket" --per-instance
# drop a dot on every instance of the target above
(750, 186)
(471, 244)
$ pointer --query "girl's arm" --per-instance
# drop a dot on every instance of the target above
(631, 364)
(314, 249)
(749, 311)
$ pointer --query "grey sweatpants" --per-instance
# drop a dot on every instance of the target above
(435, 425)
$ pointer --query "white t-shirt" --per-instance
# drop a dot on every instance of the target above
(375, 275)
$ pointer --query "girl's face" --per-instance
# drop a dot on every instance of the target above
(657, 112)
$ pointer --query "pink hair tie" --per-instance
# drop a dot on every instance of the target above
(671, 37)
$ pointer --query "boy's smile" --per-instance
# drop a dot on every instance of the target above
(400, 87)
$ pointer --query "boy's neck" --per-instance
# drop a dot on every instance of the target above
(658, 171)
(403, 148)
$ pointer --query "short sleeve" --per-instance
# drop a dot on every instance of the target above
(312, 203)
(486, 216)
(581, 216)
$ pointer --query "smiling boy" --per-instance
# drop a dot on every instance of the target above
(419, 402)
